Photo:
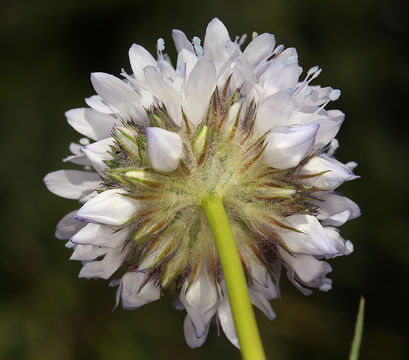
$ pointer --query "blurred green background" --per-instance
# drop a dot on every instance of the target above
(48, 50)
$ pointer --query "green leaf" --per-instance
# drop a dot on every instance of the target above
(356, 343)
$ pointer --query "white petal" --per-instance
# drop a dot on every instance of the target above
(313, 95)
(91, 195)
(166, 94)
(335, 172)
(337, 219)
(199, 89)
(336, 209)
(120, 95)
(244, 73)
(286, 77)
(274, 111)
(313, 240)
(329, 121)
(76, 148)
(99, 104)
(101, 235)
(181, 41)
(282, 73)
(186, 61)
(116, 282)
(216, 39)
(107, 266)
(226, 320)
(329, 129)
(147, 98)
(269, 290)
(228, 68)
(337, 240)
(69, 245)
(72, 184)
(258, 299)
(164, 148)
(306, 267)
(68, 226)
(139, 58)
(258, 271)
(97, 153)
(283, 57)
(80, 159)
(133, 296)
(190, 333)
(91, 123)
(259, 49)
(200, 301)
(87, 252)
(78, 156)
(288, 145)
(110, 207)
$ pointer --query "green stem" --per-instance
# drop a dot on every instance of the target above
(242, 310)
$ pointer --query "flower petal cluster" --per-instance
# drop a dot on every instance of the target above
(239, 123)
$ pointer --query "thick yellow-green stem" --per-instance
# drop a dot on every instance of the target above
(242, 310)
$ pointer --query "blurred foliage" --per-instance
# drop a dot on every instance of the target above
(48, 50)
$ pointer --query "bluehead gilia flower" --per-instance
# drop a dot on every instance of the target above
(239, 123)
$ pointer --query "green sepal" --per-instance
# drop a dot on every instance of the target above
(173, 267)
(126, 137)
(200, 142)
(163, 246)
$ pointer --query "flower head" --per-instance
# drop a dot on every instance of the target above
(237, 123)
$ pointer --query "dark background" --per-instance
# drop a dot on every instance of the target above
(48, 50)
